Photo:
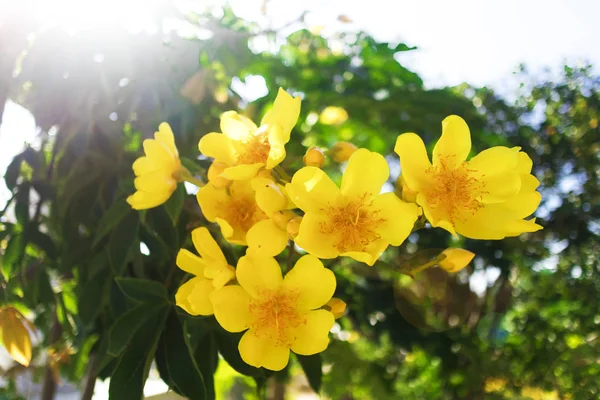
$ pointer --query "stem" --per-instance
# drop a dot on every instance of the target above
(282, 174)
(49, 388)
(88, 391)
(186, 175)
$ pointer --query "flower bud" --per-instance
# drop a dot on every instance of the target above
(333, 116)
(214, 175)
(336, 306)
(341, 151)
(314, 157)
(293, 226)
(454, 259)
(282, 218)
(404, 192)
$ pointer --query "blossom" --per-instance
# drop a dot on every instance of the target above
(487, 197)
(354, 220)
(211, 271)
(234, 209)
(246, 148)
(14, 334)
(157, 172)
(336, 306)
(333, 116)
(454, 259)
(269, 236)
(314, 157)
(278, 314)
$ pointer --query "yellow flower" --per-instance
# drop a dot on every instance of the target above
(210, 271)
(269, 237)
(246, 148)
(234, 209)
(356, 220)
(337, 307)
(14, 335)
(279, 314)
(157, 172)
(486, 197)
(333, 116)
(454, 259)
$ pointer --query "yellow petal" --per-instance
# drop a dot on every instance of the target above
(311, 239)
(277, 140)
(262, 352)
(144, 200)
(270, 196)
(400, 217)
(15, 336)
(160, 181)
(210, 200)
(236, 126)
(206, 246)
(337, 307)
(231, 306)
(256, 274)
(314, 283)
(366, 173)
(199, 297)
(242, 172)
(455, 259)
(220, 274)
(189, 262)
(527, 200)
(493, 222)
(144, 165)
(413, 161)
(227, 230)
(524, 164)
(214, 173)
(454, 145)
(311, 189)
(166, 138)
(193, 296)
(363, 256)
(266, 239)
(157, 153)
(313, 337)
(497, 167)
(285, 112)
(217, 146)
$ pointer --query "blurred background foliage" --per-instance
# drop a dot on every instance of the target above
(98, 279)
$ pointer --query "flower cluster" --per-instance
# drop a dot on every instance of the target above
(256, 204)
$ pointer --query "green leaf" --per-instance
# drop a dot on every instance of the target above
(177, 361)
(127, 325)
(22, 204)
(15, 249)
(44, 242)
(122, 239)
(94, 295)
(175, 204)
(228, 347)
(12, 172)
(313, 369)
(143, 290)
(128, 378)
(206, 355)
(111, 219)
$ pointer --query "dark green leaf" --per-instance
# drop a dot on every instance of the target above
(143, 290)
(206, 355)
(44, 242)
(13, 254)
(313, 369)
(175, 204)
(111, 219)
(22, 204)
(128, 378)
(12, 172)
(126, 326)
(177, 362)
(121, 241)
(94, 295)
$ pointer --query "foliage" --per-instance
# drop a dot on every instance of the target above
(72, 249)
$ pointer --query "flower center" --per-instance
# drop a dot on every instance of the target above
(353, 224)
(455, 191)
(275, 315)
(242, 213)
(255, 150)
